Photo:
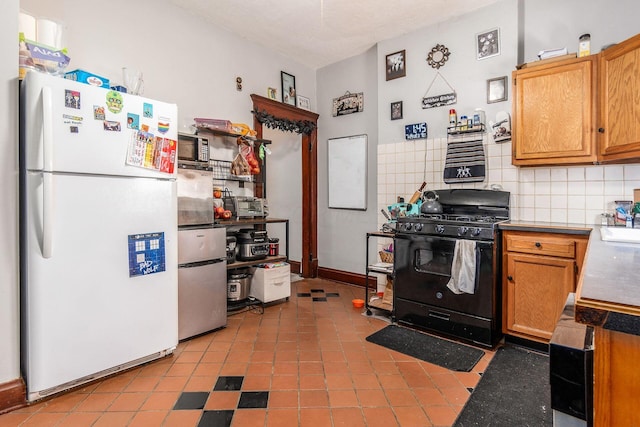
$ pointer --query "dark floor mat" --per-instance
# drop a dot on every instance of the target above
(514, 391)
(441, 352)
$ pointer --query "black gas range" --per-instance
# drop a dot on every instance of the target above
(429, 252)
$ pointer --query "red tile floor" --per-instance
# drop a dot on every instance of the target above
(303, 362)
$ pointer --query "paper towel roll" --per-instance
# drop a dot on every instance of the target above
(27, 26)
(49, 33)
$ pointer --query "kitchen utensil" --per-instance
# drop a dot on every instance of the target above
(417, 194)
(431, 205)
(385, 214)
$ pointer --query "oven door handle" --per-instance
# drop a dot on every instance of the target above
(440, 238)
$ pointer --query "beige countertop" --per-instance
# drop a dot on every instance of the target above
(608, 293)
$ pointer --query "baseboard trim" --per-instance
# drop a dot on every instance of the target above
(345, 276)
(12, 395)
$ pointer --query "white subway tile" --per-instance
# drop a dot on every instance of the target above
(594, 173)
(614, 173)
(558, 215)
(576, 202)
(592, 188)
(510, 175)
(559, 202)
(543, 187)
(527, 175)
(542, 174)
(527, 188)
(576, 188)
(632, 172)
(575, 216)
(543, 201)
(613, 189)
(559, 174)
(575, 173)
(542, 214)
(559, 187)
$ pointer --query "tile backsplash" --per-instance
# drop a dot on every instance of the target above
(564, 194)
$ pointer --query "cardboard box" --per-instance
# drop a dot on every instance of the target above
(88, 78)
(271, 284)
(636, 195)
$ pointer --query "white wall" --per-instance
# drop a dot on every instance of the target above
(9, 286)
(341, 232)
(184, 59)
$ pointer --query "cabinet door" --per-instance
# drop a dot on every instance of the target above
(619, 123)
(536, 289)
(554, 113)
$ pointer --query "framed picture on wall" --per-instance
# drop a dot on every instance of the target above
(288, 88)
(488, 43)
(497, 89)
(396, 65)
(396, 110)
(304, 102)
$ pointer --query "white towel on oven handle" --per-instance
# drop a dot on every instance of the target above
(463, 268)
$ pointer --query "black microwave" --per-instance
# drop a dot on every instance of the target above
(193, 148)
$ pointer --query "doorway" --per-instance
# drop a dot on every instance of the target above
(277, 115)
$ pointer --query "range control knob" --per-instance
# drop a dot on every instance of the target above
(418, 227)
(408, 226)
(440, 228)
(462, 231)
(476, 231)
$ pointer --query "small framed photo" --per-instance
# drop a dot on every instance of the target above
(396, 65)
(303, 102)
(497, 90)
(396, 110)
(288, 88)
(488, 43)
(272, 93)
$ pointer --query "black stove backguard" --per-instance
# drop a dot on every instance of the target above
(422, 264)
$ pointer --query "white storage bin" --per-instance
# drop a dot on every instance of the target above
(271, 284)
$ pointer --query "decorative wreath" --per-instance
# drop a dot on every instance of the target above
(438, 56)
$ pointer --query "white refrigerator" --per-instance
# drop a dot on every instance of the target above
(98, 232)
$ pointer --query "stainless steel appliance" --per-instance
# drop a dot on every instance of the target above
(202, 254)
(193, 148)
(425, 250)
(202, 280)
(195, 193)
(252, 244)
(248, 206)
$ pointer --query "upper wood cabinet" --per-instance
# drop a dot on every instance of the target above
(579, 110)
(554, 113)
(619, 94)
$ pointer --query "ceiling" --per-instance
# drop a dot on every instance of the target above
(321, 32)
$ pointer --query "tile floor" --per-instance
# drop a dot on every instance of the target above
(303, 362)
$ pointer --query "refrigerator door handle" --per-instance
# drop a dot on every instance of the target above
(47, 129)
(47, 215)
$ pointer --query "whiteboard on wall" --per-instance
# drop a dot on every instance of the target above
(347, 172)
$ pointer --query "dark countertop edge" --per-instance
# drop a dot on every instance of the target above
(546, 227)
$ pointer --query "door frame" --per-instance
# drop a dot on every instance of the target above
(286, 112)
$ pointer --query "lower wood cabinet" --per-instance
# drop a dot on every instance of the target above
(539, 271)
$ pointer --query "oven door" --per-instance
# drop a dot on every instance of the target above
(423, 269)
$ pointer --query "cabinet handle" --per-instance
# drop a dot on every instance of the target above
(510, 278)
(601, 130)
(538, 244)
